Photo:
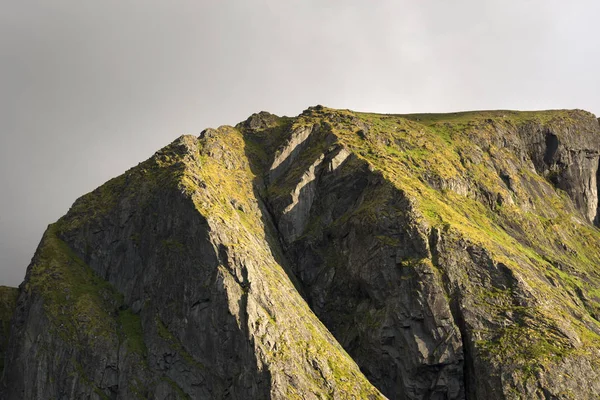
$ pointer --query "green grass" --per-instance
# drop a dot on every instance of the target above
(78, 302)
(132, 332)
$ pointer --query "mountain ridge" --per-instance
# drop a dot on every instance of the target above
(430, 246)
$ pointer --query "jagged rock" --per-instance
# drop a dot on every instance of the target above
(260, 121)
(331, 255)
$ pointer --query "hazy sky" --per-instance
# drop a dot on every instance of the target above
(90, 88)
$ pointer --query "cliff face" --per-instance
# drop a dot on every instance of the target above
(331, 255)
(8, 302)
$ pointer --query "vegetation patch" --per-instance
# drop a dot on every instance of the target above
(132, 332)
(79, 304)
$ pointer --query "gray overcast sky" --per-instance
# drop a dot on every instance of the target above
(90, 88)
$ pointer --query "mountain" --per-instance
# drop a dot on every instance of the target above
(335, 254)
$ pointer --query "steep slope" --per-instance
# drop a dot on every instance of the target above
(8, 302)
(162, 284)
(451, 255)
(447, 256)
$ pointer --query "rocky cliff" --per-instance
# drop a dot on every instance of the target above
(8, 302)
(332, 255)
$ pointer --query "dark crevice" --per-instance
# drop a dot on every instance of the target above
(243, 283)
(551, 147)
(457, 316)
(276, 242)
(244, 304)
(201, 302)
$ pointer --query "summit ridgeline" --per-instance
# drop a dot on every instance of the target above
(333, 255)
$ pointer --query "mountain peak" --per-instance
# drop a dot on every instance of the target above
(334, 254)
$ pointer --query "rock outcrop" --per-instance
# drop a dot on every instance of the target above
(331, 255)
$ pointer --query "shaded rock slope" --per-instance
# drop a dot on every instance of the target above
(336, 254)
(8, 302)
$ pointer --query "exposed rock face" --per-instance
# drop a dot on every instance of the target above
(419, 296)
(372, 283)
(8, 302)
(331, 255)
(566, 152)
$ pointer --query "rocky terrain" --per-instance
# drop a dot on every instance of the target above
(333, 255)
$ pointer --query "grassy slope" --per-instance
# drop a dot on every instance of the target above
(230, 205)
